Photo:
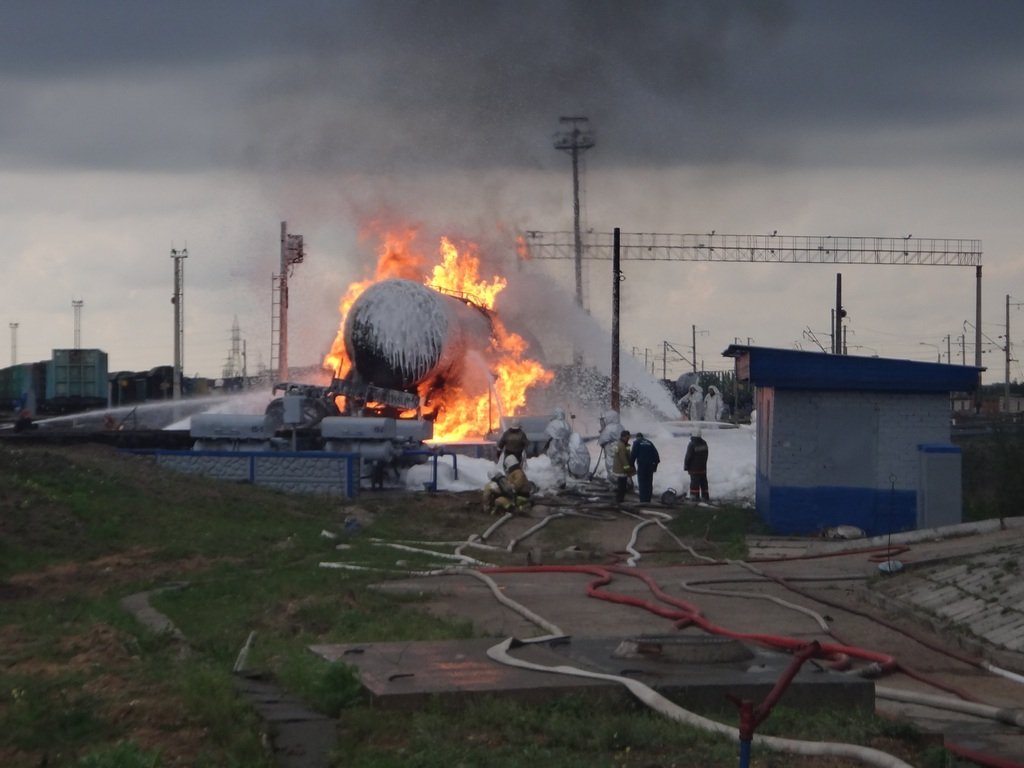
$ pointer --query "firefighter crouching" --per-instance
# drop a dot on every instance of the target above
(508, 491)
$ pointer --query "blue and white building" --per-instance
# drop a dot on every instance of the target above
(859, 441)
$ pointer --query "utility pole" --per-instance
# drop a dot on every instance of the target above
(1006, 386)
(616, 279)
(665, 347)
(14, 343)
(76, 305)
(840, 313)
(291, 254)
(178, 300)
(575, 141)
(977, 336)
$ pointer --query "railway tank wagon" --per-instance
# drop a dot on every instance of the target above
(406, 341)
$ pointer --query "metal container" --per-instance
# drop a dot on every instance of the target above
(400, 333)
(77, 374)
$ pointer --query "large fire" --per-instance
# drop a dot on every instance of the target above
(458, 414)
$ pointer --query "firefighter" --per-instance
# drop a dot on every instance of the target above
(508, 491)
(557, 448)
(714, 405)
(622, 467)
(695, 462)
(513, 442)
(644, 456)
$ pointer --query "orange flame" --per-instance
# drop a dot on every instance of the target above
(459, 274)
(523, 249)
(395, 259)
(458, 414)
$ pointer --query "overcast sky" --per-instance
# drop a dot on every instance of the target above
(129, 128)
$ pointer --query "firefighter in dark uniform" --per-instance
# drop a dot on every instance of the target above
(644, 456)
(513, 442)
(696, 464)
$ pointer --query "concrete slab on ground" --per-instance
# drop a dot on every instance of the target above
(406, 674)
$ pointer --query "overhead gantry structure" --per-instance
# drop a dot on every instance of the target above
(770, 248)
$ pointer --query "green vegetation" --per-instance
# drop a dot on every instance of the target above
(718, 532)
(84, 684)
(123, 755)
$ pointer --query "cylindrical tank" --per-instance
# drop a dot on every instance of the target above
(400, 333)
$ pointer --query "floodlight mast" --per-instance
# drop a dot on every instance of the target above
(76, 305)
(574, 142)
(178, 300)
(14, 343)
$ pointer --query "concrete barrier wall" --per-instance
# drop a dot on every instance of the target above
(335, 474)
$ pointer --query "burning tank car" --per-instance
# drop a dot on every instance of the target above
(406, 342)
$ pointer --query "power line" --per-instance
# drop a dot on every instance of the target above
(773, 248)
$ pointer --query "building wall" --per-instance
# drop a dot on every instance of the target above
(843, 457)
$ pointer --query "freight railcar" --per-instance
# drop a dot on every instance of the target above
(22, 383)
(76, 380)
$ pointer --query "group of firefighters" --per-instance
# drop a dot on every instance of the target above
(509, 489)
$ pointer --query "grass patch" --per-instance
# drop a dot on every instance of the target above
(719, 532)
(123, 755)
(84, 684)
(40, 711)
(573, 732)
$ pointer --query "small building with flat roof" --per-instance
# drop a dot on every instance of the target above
(858, 441)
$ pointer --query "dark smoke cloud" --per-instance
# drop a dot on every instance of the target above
(483, 84)
(385, 86)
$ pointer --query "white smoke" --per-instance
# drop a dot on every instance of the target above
(563, 329)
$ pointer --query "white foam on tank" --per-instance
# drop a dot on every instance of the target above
(409, 322)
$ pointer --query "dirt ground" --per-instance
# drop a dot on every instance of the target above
(929, 655)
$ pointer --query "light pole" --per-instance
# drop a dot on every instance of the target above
(14, 343)
(575, 141)
(76, 305)
(178, 300)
